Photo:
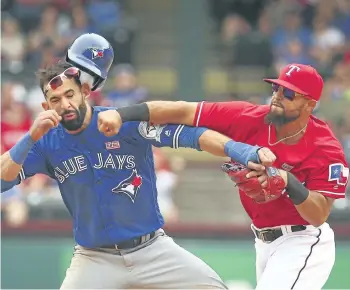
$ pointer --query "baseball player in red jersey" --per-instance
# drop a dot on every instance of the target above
(295, 247)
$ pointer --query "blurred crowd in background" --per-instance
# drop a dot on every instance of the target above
(255, 33)
(271, 34)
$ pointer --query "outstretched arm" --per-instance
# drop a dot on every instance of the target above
(199, 138)
(167, 112)
(220, 145)
(158, 112)
(222, 117)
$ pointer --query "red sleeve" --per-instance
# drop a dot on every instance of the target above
(228, 117)
(329, 175)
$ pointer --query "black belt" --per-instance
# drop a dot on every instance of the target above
(132, 243)
(270, 235)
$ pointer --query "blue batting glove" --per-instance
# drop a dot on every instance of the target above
(242, 152)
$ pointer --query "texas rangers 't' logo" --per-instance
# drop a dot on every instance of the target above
(96, 52)
(339, 173)
(130, 186)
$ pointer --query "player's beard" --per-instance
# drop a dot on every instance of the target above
(279, 119)
(75, 124)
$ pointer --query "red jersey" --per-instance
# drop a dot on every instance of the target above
(317, 160)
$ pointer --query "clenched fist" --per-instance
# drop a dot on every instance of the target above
(109, 122)
(43, 123)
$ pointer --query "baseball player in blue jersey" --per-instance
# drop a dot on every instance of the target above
(108, 183)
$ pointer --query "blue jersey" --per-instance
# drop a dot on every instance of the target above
(108, 184)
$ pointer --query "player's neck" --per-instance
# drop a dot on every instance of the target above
(86, 122)
(292, 128)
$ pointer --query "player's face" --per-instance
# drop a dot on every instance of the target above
(68, 100)
(285, 109)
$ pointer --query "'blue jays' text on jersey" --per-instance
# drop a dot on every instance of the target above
(107, 183)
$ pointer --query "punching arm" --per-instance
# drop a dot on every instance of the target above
(160, 112)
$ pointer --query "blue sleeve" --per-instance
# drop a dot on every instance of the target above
(34, 163)
(174, 136)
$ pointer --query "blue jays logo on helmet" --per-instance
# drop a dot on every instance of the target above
(94, 55)
(130, 186)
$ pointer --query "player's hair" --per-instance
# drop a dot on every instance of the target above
(44, 75)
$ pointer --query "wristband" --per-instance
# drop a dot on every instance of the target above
(20, 151)
(297, 192)
(241, 152)
(139, 112)
(189, 137)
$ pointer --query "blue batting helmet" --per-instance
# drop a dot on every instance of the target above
(92, 54)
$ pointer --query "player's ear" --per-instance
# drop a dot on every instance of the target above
(45, 106)
(85, 89)
(311, 104)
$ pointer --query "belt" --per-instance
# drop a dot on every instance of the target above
(132, 243)
(269, 235)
